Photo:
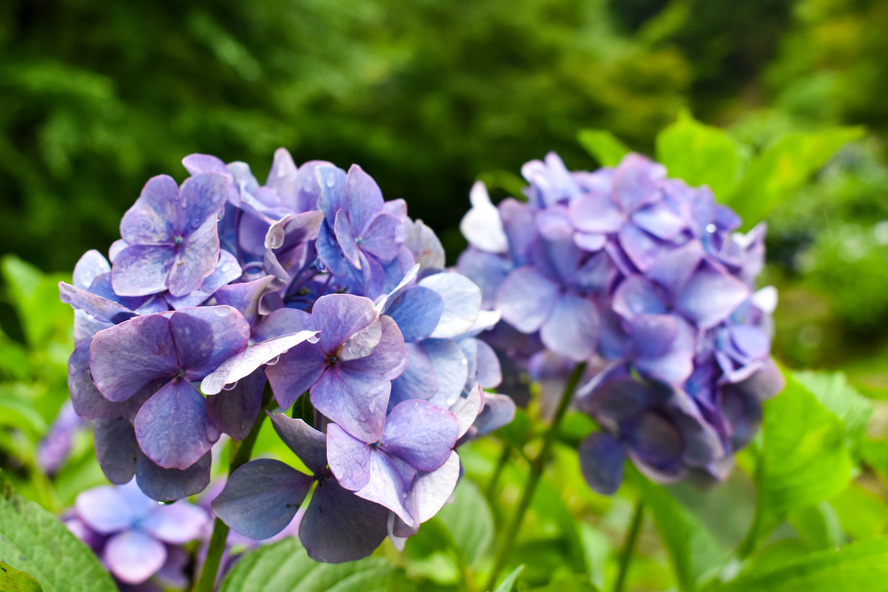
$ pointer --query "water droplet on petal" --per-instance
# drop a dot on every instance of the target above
(273, 361)
(331, 180)
(230, 386)
(710, 228)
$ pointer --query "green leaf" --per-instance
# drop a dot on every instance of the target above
(36, 542)
(515, 432)
(469, 521)
(286, 567)
(604, 147)
(510, 584)
(505, 180)
(36, 299)
(861, 565)
(836, 394)
(692, 549)
(13, 580)
(804, 457)
(569, 583)
(701, 155)
(775, 174)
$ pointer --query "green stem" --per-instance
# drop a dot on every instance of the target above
(498, 470)
(240, 454)
(537, 466)
(629, 545)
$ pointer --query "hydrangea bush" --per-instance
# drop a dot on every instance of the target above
(224, 301)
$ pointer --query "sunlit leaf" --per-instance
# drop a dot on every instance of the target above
(510, 584)
(13, 580)
(604, 146)
(469, 521)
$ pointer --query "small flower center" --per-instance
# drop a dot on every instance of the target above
(332, 359)
(359, 240)
(177, 240)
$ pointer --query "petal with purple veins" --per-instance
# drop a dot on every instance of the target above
(355, 400)
(207, 336)
(349, 458)
(389, 356)
(140, 270)
(383, 237)
(116, 449)
(386, 486)
(297, 371)
(339, 316)
(152, 219)
(234, 410)
(172, 484)
(365, 200)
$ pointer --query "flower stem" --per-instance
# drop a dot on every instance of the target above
(537, 466)
(498, 470)
(629, 545)
(240, 454)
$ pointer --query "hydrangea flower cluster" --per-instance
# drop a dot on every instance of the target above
(136, 538)
(313, 286)
(644, 279)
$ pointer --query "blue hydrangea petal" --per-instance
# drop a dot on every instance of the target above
(283, 321)
(420, 433)
(176, 523)
(710, 295)
(133, 556)
(332, 181)
(526, 299)
(355, 400)
(172, 484)
(675, 267)
(498, 411)
(601, 462)
(451, 369)
(430, 491)
(173, 428)
(261, 498)
(195, 260)
(595, 212)
(365, 200)
(383, 237)
(386, 486)
(329, 252)
(126, 358)
(207, 336)
(297, 371)
(140, 270)
(153, 219)
(245, 297)
(389, 356)
(226, 271)
(349, 458)
(571, 329)
(637, 295)
(482, 225)
(486, 270)
(634, 182)
(417, 311)
(418, 381)
(338, 526)
(104, 509)
(674, 365)
(656, 441)
(233, 411)
(462, 303)
(642, 248)
(87, 400)
(117, 449)
(307, 443)
(660, 220)
(345, 236)
(340, 316)
(489, 374)
(91, 265)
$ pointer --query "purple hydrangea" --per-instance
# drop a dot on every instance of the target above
(224, 297)
(136, 538)
(645, 280)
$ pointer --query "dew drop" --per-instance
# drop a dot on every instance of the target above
(331, 180)
(230, 386)
(273, 361)
(710, 228)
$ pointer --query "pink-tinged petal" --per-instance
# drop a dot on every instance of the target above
(673, 269)
(261, 498)
(207, 336)
(596, 213)
(710, 296)
(389, 356)
(203, 197)
(526, 298)
(345, 236)
(251, 358)
(356, 401)
(307, 443)
(152, 219)
(173, 428)
(637, 295)
(339, 316)
(140, 270)
(234, 410)
(91, 265)
(297, 371)
(338, 526)
(643, 249)
(467, 408)
(482, 225)
(195, 260)
(462, 303)
(116, 449)
(349, 458)
(364, 198)
(601, 462)
(383, 238)
(386, 487)
(127, 357)
(572, 328)
(133, 556)
(660, 220)
(430, 491)
(172, 484)
(451, 368)
(104, 509)
(420, 433)
(176, 523)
